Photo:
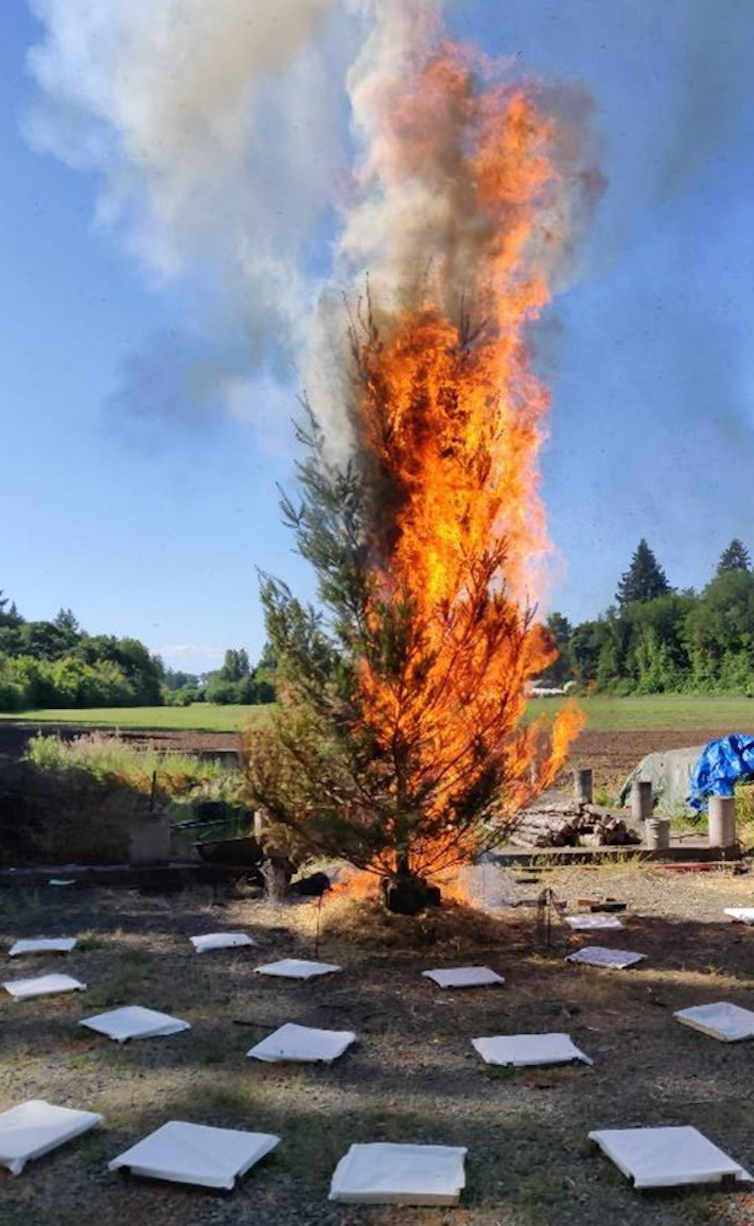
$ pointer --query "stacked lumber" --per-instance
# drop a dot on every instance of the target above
(571, 825)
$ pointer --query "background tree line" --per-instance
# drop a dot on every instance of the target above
(235, 682)
(57, 664)
(655, 639)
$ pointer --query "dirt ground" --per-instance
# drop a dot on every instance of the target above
(14, 737)
(616, 750)
(413, 1075)
(612, 754)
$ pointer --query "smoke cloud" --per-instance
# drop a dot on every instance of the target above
(219, 133)
(216, 132)
(417, 220)
(164, 100)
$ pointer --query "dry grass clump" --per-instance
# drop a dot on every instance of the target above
(363, 922)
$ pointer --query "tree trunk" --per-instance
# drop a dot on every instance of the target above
(277, 873)
(406, 894)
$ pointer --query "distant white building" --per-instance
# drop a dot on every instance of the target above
(543, 691)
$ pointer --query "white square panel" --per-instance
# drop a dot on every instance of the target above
(588, 923)
(721, 1021)
(43, 945)
(42, 985)
(36, 1127)
(385, 1174)
(744, 915)
(524, 1050)
(134, 1022)
(464, 977)
(599, 955)
(667, 1157)
(220, 940)
(196, 1154)
(302, 1044)
(296, 968)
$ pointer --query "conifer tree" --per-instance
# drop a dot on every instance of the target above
(735, 557)
(9, 615)
(644, 580)
(430, 781)
(560, 631)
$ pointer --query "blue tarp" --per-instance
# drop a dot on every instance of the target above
(723, 763)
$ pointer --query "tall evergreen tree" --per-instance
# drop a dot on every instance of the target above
(644, 580)
(560, 631)
(735, 557)
(235, 665)
(9, 614)
(397, 743)
(66, 621)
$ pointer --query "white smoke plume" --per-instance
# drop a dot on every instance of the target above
(215, 128)
(163, 99)
(218, 132)
(407, 208)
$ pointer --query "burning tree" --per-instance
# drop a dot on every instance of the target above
(400, 743)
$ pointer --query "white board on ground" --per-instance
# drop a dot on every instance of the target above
(587, 923)
(464, 977)
(302, 1045)
(296, 968)
(385, 1174)
(744, 915)
(196, 1154)
(524, 1050)
(43, 945)
(36, 1127)
(42, 985)
(722, 1020)
(600, 955)
(667, 1157)
(134, 1022)
(220, 940)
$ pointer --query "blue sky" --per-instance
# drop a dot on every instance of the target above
(152, 524)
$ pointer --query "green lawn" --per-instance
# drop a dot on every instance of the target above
(201, 717)
(661, 711)
(653, 711)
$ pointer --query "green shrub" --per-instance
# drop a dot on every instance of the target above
(179, 777)
(27, 683)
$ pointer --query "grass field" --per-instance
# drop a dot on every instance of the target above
(661, 711)
(652, 711)
(202, 717)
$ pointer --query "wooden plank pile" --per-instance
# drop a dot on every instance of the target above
(571, 825)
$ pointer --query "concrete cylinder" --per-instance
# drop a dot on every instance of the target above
(658, 833)
(722, 821)
(583, 786)
(641, 800)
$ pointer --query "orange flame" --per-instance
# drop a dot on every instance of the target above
(454, 416)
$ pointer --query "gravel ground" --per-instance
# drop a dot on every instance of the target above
(413, 1075)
